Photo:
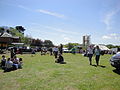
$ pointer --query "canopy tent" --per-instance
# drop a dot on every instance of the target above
(102, 47)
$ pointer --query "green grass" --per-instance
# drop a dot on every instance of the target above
(41, 73)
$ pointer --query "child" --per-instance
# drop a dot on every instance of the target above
(20, 63)
(3, 61)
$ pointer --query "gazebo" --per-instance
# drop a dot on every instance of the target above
(7, 39)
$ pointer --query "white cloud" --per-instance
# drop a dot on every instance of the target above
(112, 36)
(43, 11)
(25, 8)
(65, 37)
(62, 30)
(108, 18)
(51, 13)
(106, 37)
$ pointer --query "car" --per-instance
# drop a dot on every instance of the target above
(24, 50)
(115, 61)
(65, 50)
(9, 48)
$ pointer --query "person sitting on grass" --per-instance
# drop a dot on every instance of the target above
(8, 65)
(3, 61)
(60, 59)
(15, 62)
(20, 63)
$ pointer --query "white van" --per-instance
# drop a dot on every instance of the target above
(65, 50)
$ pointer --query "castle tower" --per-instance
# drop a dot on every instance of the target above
(86, 40)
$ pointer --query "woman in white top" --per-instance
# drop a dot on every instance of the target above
(90, 53)
(55, 51)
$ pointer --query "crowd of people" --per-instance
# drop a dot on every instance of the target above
(57, 51)
(10, 64)
(15, 63)
(91, 50)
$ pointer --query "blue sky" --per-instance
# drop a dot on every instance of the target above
(64, 21)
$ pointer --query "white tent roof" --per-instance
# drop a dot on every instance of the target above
(5, 34)
(102, 47)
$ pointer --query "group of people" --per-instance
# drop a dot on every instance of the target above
(11, 63)
(52, 50)
(14, 63)
(94, 51)
(58, 51)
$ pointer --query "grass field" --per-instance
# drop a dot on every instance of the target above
(41, 73)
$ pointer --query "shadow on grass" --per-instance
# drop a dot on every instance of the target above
(94, 65)
(116, 71)
(61, 62)
(102, 66)
(99, 66)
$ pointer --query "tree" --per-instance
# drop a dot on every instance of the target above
(27, 40)
(20, 29)
(112, 46)
(2, 30)
(13, 31)
(48, 43)
(36, 42)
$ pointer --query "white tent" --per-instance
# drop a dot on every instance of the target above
(102, 47)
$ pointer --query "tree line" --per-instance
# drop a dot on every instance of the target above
(27, 40)
(30, 41)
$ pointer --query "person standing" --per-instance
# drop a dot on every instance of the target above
(61, 48)
(55, 51)
(90, 53)
(12, 53)
(97, 54)
(51, 51)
